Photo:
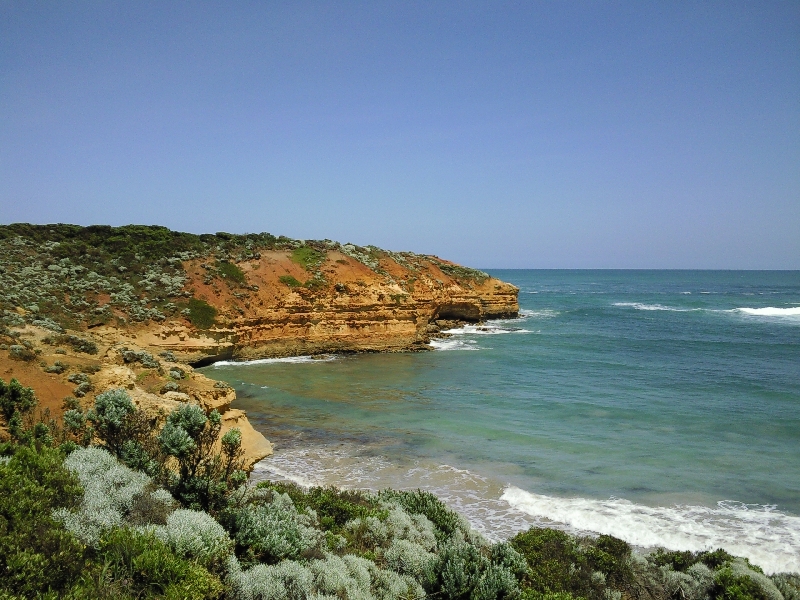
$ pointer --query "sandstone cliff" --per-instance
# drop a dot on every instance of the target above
(392, 306)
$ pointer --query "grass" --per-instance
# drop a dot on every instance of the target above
(307, 257)
(290, 281)
(231, 272)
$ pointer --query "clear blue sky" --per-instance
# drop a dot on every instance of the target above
(519, 134)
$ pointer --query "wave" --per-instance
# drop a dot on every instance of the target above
(268, 361)
(544, 313)
(762, 534)
(484, 330)
(641, 306)
(450, 344)
(770, 311)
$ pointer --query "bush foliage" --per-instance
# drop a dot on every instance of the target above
(130, 506)
(201, 313)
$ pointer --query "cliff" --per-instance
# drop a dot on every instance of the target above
(91, 298)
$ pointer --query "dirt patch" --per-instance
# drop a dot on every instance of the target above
(49, 387)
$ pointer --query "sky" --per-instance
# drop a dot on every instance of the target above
(496, 134)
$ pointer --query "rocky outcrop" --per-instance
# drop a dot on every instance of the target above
(357, 309)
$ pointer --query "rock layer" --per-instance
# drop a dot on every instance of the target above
(358, 309)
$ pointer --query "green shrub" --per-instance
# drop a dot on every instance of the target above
(290, 281)
(555, 563)
(109, 416)
(20, 352)
(204, 478)
(334, 507)
(79, 344)
(307, 257)
(610, 556)
(201, 313)
(446, 520)
(271, 531)
(15, 398)
(140, 565)
(36, 553)
(231, 272)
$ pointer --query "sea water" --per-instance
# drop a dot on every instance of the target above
(661, 407)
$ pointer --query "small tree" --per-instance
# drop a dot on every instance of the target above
(109, 416)
(204, 477)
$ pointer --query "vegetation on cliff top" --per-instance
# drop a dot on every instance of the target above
(71, 277)
(115, 503)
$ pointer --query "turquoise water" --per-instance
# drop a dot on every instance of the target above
(659, 406)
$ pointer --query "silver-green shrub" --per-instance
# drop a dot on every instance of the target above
(333, 577)
(196, 535)
(409, 558)
(109, 492)
(788, 584)
(287, 580)
(276, 530)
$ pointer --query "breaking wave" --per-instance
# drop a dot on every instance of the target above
(484, 330)
(267, 361)
(641, 306)
(450, 344)
(767, 537)
(770, 311)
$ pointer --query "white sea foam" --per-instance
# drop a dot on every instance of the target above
(544, 313)
(451, 344)
(484, 330)
(766, 536)
(771, 311)
(267, 361)
(642, 306)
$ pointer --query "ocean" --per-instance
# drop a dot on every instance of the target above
(661, 407)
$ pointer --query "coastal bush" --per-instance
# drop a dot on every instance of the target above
(110, 489)
(15, 398)
(110, 416)
(446, 520)
(21, 352)
(555, 563)
(139, 356)
(57, 367)
(464, 571)
(788, 585)
(139, 565)
(79, 344)
(204, 478)
(738, 580)
(201, 313)
(37, 554)
(273, 530)
(347, 577)
(407, 558)
(333, 507)
(196, 535)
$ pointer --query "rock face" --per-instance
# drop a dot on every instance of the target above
(358, 309)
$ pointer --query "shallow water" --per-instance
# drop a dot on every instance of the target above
(658, 406)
